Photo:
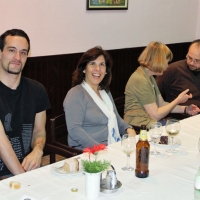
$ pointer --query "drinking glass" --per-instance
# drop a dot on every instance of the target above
(155, 131)
(172, 128)
(128, 146)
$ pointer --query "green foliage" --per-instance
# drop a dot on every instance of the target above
(95, 166)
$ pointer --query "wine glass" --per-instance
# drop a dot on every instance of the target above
(128, 146)
(172, 128)
(155, 131)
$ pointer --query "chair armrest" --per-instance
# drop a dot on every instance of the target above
(57, 150)
(68, 148)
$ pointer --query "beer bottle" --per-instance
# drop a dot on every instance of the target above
(142, 154)
(197, 185)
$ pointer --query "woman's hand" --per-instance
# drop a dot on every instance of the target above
(183, 96)
(131, 131)
(192, 109)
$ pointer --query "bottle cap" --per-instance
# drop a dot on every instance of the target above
(143, 127)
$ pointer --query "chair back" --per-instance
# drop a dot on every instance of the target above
(58, 143)
(58, 130)
(119, 103)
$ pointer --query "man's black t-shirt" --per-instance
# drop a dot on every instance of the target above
(18, 109)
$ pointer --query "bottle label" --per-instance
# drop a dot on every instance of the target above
(143, 135)
(143, 155)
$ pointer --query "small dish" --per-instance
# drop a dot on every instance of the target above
(107, 191)
(176, 142)
(57, 169)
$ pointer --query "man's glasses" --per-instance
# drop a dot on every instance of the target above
(190, 59)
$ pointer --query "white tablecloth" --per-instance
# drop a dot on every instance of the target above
(171, 175)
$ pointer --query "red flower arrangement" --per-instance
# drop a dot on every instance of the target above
(94, 166)
(95, 150)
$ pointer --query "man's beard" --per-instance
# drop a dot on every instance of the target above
(196, 69)
(11, 72)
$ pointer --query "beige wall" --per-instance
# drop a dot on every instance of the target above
(198, 23)
(65, 26)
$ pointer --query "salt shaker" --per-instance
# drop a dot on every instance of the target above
(111, 180)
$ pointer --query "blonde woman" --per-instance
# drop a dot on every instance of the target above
(143, 101)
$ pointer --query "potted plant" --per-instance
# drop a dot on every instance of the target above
(94, 166)
(93, 169)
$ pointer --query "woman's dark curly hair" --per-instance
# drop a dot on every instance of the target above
(92, 54)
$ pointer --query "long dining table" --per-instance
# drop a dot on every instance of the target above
(171, 175)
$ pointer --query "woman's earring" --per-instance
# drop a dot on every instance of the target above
(83, 71)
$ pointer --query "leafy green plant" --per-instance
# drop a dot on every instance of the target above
(95, 166)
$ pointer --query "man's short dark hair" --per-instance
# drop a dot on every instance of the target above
(13, 32)
(197, 42)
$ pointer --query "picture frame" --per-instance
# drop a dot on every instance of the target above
(107, 4)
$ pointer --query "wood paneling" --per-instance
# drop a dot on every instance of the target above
(54, 72)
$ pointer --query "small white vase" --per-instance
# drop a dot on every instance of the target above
(92, 185)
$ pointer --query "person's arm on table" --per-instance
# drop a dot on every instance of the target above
(190, 110)
(8, 155)
(165, 108)
(33, 160)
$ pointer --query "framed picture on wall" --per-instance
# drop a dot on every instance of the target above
(107, 4)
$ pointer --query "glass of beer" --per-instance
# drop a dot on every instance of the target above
(155, 131)
(128, 146)
(172, 128)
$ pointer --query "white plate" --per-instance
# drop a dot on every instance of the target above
(176, 142)
(57, 169)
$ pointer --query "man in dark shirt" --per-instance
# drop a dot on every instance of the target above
(181, 75)
(23, 105)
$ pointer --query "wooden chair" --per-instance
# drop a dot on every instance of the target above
(57, 143)
(119, 103)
